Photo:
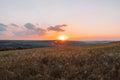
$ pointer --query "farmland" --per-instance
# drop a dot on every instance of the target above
(84, 62)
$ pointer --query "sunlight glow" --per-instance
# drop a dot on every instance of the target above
(63, 37)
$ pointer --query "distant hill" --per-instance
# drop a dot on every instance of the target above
(27, 44)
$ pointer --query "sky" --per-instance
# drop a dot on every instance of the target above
(47, 19)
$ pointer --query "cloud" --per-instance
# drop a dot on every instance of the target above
(29, 26)
(2, 27)
(31, 29)
(57, 28)
(40, 31)
(5, 30)
(27, 30)
(15, 25)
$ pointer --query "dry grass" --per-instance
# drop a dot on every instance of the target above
(87, 62)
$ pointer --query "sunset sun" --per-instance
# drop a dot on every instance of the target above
(63, 37)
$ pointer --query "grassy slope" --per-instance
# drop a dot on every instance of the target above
(87, 62)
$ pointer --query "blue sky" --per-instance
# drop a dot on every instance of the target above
(85, 19)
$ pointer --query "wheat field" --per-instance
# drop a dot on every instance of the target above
(84, 62)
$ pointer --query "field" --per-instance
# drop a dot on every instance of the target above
(85, 62)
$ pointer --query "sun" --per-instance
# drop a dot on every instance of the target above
(62, 37)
